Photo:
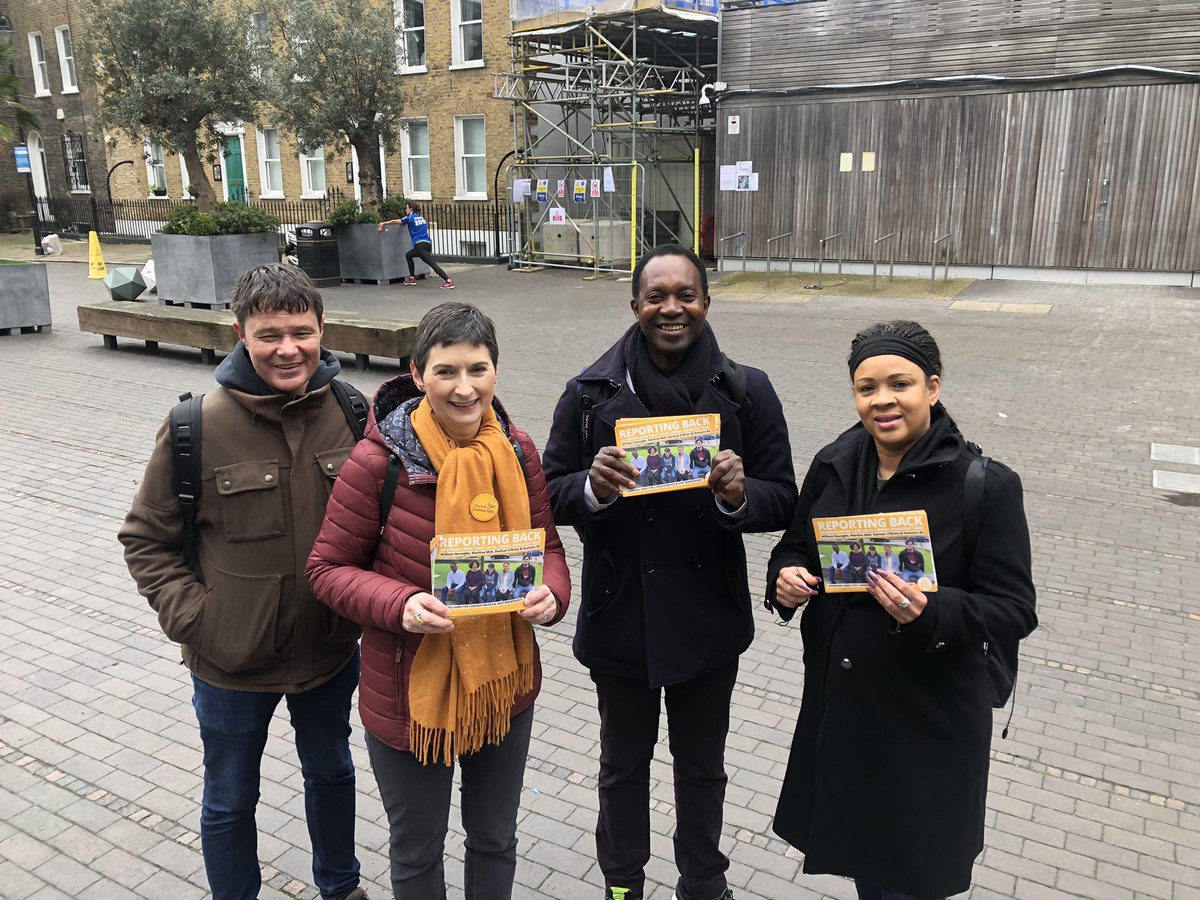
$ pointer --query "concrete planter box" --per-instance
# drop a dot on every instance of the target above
(203, 270)
(375, 256)
(24, 297)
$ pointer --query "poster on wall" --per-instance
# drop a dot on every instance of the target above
(543, 190)
(595, 192)
(562, 189)
(580, 190)
(728, 178)
(610, 184)
(558, 215)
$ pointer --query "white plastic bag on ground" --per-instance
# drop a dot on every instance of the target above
(51, 245)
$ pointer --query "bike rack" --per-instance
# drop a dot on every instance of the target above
(933, 266)
(777, 237)
(740, 246)
(875, 259)
(820, 285)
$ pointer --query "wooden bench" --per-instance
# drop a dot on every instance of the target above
(212, 329)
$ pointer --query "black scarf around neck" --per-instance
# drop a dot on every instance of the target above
(866, 467)
(669, 393)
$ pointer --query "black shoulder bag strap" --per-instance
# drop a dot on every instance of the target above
(354, 406)
(184, 429)
(999, 668)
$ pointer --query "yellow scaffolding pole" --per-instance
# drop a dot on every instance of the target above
(633, 235)
(696, 204)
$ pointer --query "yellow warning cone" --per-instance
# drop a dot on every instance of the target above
(96, 267)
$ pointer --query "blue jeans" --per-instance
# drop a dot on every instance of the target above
(868, 891)
(233, 729)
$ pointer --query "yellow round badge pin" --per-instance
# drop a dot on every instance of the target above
(924, 584)
(484, 507)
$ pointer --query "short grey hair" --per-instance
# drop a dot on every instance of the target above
(453, 323)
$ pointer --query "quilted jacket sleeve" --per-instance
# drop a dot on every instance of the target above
(339, 567)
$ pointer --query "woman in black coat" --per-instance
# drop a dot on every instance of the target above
(887, 777)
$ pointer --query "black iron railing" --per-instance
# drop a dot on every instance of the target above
(467, 231)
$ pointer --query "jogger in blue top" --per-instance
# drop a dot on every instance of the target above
(422, 246)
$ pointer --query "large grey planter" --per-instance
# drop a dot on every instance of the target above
(203, 270)
(24, 297)
(375, 256)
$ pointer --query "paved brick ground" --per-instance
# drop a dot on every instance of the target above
(1095, 794)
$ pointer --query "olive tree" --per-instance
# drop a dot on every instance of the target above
(172, 70)
(335, 79)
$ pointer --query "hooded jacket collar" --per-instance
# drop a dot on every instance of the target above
(391, 411)
(236, 371)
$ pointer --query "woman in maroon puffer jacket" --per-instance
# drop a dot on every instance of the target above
(383, 582)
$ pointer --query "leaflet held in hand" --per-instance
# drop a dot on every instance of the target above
(852, 546)
(481, 574)
(671, 453)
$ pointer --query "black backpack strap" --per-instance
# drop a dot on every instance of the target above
(973, 487)
(387, 493)
(186, 475)
(602, 390)
(354, 406)
(734, 378)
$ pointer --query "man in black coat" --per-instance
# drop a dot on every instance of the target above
(666, 603)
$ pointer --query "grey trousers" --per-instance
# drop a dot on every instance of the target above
(416, 799)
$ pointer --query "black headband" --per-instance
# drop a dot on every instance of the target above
(890, 345)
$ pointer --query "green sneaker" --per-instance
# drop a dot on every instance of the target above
(620, 893)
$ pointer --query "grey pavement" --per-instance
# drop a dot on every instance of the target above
(1095, 794)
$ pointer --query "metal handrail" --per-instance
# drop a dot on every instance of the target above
(933, 267)
(820, 285)
(777, 237)
(875, 260)
(739, 249)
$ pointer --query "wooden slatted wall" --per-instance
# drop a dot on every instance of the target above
(854, 41)
(1104, 177)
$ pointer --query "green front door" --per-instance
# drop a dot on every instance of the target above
(235, 174)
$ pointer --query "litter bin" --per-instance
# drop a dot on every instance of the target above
(317, 253)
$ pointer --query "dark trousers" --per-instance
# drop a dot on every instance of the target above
(233, 728)
(423, 253)
(416, 799)
(697, 725)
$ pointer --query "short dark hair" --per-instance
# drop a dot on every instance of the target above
(453, 323)
(668, 250)
(906, 329)
(272, 288)
(413, 207)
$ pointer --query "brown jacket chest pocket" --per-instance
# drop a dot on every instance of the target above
(330, 463)
(251, 500)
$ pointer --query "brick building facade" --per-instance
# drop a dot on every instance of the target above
(68, 154)
(454, 137)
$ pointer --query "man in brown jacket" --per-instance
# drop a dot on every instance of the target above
(274, 437)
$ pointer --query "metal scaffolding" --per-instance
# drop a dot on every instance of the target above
(616, 84)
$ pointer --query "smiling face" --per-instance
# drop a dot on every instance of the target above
(460, 382)
(284, 348)
(894, 400)
(671, 308)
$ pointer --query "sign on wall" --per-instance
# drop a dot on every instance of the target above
(21, 154)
